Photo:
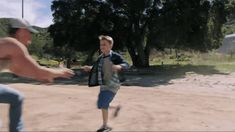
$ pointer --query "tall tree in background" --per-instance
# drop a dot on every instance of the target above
(134, 18)
(229, 26)
(139, 25)
(191, 24)
(230, 7)
(78, 24)
(218, 16)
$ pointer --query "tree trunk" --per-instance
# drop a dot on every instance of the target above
(68, 62)
(147, 54)
(132, 52)
(137, 46)
(176, 53)
(89, 59)
(139, 54)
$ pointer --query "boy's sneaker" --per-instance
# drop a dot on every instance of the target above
(104, 129)
(116, 112)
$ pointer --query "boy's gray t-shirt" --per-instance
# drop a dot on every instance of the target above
(107, 69)
(110, 78)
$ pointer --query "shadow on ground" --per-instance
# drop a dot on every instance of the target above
(162, 75)
(146, 77)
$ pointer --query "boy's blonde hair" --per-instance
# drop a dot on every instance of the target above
(107, 38)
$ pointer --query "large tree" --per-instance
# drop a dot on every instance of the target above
(139, 25)
(78, 23)
(191, 24)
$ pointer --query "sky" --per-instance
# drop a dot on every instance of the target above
(37, 12)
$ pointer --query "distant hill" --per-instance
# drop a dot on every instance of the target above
(3, 26)
(39, 41)
(4, 22)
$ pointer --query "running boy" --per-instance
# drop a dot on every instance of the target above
(105, 73)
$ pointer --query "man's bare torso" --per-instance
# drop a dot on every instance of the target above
(4, 60)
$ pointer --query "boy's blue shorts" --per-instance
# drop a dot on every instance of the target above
(104, 99)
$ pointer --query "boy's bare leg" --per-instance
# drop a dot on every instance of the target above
(105, 116)
(105, 126)
(116, 110)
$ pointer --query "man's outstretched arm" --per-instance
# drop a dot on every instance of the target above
(23, 64)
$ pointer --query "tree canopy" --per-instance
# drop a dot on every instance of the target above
(140, 25)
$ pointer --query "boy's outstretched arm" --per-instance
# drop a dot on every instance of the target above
(87, 68)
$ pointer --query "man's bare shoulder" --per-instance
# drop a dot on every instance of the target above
(10, 46)
(11, 43)
(8, 41)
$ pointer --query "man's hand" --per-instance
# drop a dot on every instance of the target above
(64, 73)
(57, 73)
(116, 68)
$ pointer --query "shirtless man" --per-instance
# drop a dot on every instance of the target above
(15, 57)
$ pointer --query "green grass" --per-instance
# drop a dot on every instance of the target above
(187, 61)
(225, 67)
(51, 63)
(222, 63)
(46, 62)
(229, 29)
